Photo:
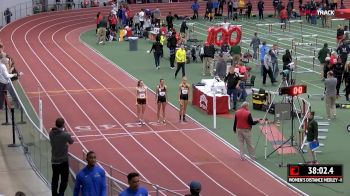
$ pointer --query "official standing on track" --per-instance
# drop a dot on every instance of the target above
(243, 127)
(181, 60)
(161, 99)
(91, 180)
(141, 100)
(60, 139)
(184, 90)
(331, 93)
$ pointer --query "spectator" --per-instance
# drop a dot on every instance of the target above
(171, 44)
(255, 43)
(263, 51)
(195, 188)
(236, 52)
(347, 81)
(8, 15)
(267, 69)
(312, 133)
(275, 4)
(137, 25)
(331, 92)
(340, 34)
(20, 193)
(59, 139)
(208, 56)
(142, 18)
(157, 49)
(181, 60)
(4, 79)
(338, 70)
(156, 15)
(221, 67)
(12, 70)
(283, 17)
(221, 6)
(333, 59)
(134, 188)
(195, 8)
(209, 10)
(241, 5)
(91, 180)
(98, 20)
(232, 81)
(102, 29)
(235, 9)
(183, 29)
(322, 54)
(169, 20)
(243, 127)
(260, 6)
(343, 50)
(274, 61)
(229, 9)
(249, 9)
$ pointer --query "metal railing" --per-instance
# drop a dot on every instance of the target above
(37, 148)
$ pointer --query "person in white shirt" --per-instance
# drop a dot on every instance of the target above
(226, 24)
(142, 18)
(4, 79)
(267, 68)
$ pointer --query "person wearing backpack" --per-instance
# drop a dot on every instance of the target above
(157, 49)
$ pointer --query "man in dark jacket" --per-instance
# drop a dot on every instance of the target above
(322, 54)
(169, 20)
(243, 126)
(171, 44)
(8, 15)
(261, 9)
(209, 52)
(59, 139)
(195, 188)
(343, 50)
(312, 133)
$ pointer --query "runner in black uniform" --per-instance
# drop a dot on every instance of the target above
(184, 89)
(161, 94)
(141, 97)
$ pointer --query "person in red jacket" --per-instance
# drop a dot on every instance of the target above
(243, 127)
(283, 17)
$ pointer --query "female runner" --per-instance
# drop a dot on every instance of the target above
(141, 97)
(184, 89)
(161, 95)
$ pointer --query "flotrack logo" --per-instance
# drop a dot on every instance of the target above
(321, 12)
(203, 102)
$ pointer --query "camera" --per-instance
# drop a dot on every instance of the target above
(284, 73)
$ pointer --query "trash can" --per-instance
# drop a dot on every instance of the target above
(133, 43)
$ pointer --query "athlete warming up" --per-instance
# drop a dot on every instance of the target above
(184, 89)
(161, 95)
(141, 97)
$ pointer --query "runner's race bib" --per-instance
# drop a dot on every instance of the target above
(161, 93)
(184, 91)
(142, 95)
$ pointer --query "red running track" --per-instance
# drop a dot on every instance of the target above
(47, 49)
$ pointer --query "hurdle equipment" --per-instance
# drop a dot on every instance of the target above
(296, 21)
(306, 57)
(312, 36)
(286, 39)
(278, 24)
(261, 25)
(306, 45)
(337, 19)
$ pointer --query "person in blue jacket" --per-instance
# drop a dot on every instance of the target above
(263, 50)
(91, 180)
(134, 188)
